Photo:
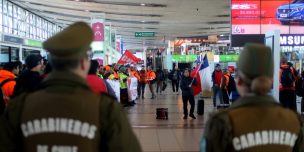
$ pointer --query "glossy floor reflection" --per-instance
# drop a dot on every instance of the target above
(174, 134)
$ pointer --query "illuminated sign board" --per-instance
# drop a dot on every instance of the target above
(292, 42)
(261, 16)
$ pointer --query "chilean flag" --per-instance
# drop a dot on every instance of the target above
(203, 76)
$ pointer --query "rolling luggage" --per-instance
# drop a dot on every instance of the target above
(200, 107)
(162, 113)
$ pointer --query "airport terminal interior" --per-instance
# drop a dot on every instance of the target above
(169, 65)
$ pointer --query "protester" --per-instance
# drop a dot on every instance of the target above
(224, 86)
(175, 76)
(108, 72)
(30, 79)
(89, 122)
(160, 78)
(7, 80)
(187, 93)
(255, 122)
(151, 77)
(142, 82)
(287, 85)
(216, 79)
(124, 99)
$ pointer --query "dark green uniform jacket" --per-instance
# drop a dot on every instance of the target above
(64, 115)
(254, 124)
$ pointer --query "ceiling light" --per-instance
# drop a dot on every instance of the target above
(76, 0)
(222, 35)
(142, 4)
(87, 10)
(143, 21)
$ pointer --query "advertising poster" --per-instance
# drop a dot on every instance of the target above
(261, 16)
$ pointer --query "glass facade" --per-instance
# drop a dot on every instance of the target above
(20, 22)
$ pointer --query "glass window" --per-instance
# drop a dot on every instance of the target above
(4, 54)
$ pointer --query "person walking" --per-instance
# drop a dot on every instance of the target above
(175, 76)
(142, 82)
(216, 79)
(255, 122)
(151, 77)
(187, 94)
(224, 86)
(287, 85)
(160, 78)
(64, 114)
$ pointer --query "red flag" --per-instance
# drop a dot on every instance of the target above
(195, 74)
(128, 57)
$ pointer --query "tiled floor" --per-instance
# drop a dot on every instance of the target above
(172, 135)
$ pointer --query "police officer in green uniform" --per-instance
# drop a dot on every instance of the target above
(256, 122)
(63, 115)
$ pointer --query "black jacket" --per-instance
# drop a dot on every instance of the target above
(28, 81)
(184, 84)
(178, 74)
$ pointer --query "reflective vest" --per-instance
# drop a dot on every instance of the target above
(151, 75)
(123, 85)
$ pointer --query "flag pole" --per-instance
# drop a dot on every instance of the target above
(195, 74)
(198, 69)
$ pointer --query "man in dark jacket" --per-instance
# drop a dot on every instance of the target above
(30, 79)
(216, 78)
(64, 114)
(175, 76)
(160, 78)
(187, 94)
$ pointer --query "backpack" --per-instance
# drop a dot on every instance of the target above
(3, 98)
(231, 84)
(287, 78)
(175, 75)
(160, 75)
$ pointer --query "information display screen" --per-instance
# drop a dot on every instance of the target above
(261, 16)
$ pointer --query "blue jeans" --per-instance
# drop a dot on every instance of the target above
(217, 90)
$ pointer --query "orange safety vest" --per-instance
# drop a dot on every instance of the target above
(143, 76)
(116, 75)
(151, 75)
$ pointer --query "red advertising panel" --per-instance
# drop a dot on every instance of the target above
(98, 29)
(261, 16)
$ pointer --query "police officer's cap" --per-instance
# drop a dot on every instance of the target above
(256, 60)
(73, 42)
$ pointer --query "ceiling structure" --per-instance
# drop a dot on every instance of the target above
(168, 18)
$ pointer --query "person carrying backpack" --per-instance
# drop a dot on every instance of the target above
(160, 78)
(7, 83)
(287, 85)
(175, 76)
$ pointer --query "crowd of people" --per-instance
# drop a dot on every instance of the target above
(68, 102)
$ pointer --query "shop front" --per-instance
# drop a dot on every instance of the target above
(14, 48)
(292, 47)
